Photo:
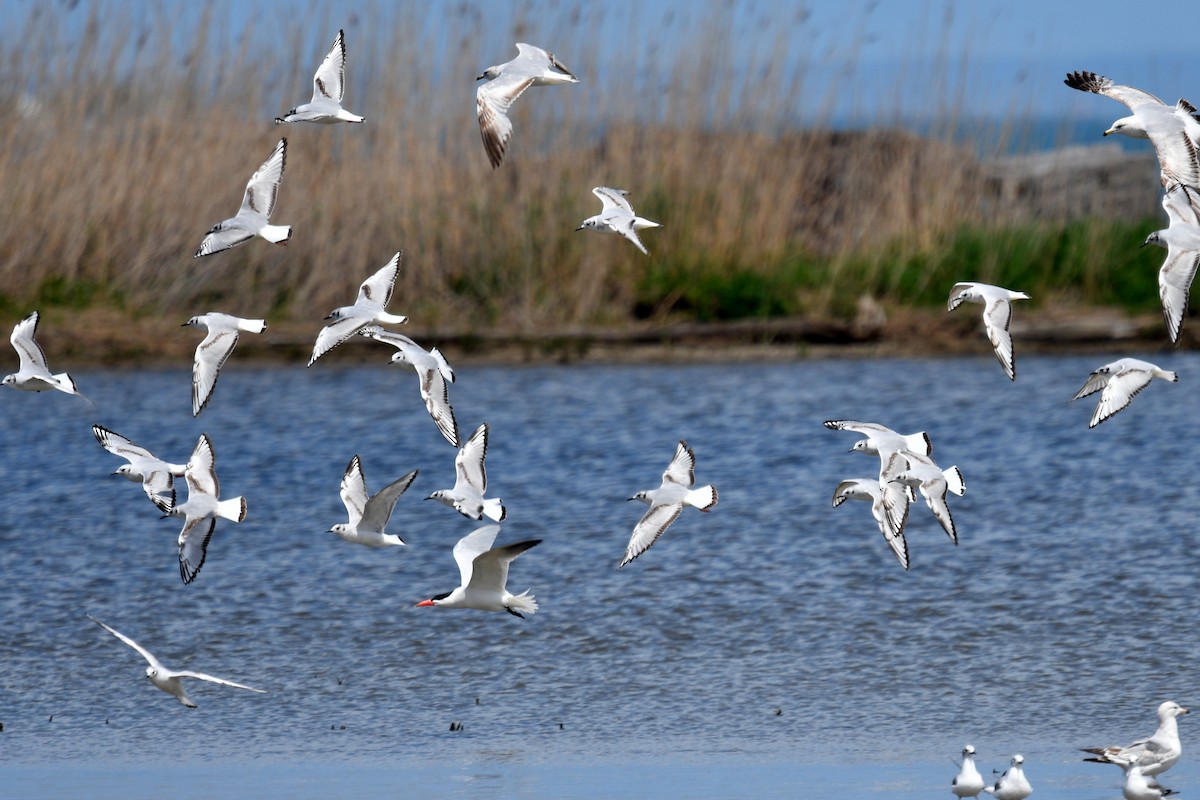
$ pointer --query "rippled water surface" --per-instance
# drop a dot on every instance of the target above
(772, 647)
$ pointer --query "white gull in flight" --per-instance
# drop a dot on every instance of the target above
(869, 489)
(328, 85)
(170, 680)
(1173, 130)
(155, 475)
(432, 371)
(616, 216)
(533, 66)
(202, 506)
(920, 472)
(997, 314)
(33, 373)
(470, 482)
(257, 204)
(667, 501)
(1121, 381)
(212, 351)
(483, 570)
(1182, 241)
(369, 515)
(368, 308)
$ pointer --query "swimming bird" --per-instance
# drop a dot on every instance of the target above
(533, 66)
(869, 489)
(1173, 130)
(667, 501)
(484, 575)
(202, 505)
(1013, 785)
(329, 83)
(170, 680)
(1139, 787)
(922, 473)
(1121, 381)
(432, 371)
(1154, 755)
(968, 782)
(997, 314)
(373, 297)
(369, 515)
(257, 204)
(616, 216)
(211, 353)
(1181, 238)
(33, 373)
(470, 482)
(155, 475)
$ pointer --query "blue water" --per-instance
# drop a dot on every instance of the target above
(772, 647)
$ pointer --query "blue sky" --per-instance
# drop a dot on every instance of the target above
(989, 57)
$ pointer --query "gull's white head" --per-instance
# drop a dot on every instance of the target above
(1170, 709)
(1155, 238)
(865, 446)
(398, 358)
(1018, 760)
(490, 73)
(340, 529)
(126, 471)
(10, 380)
(1128, 126)
(151, 673)
(968, 750)
(194, 322)
(595, 223)
(643, 495)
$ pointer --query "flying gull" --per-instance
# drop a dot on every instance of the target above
(1121, 381)
(368, 308)
(368, 516)
(533, 66)
(257, 205)
(212, 351)
(616, 216)
(328, 85)
(997, 314)
(667, 501)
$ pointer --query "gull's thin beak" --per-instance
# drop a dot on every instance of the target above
(1110, 130)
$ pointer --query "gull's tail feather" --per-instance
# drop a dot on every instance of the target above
(493, 509)
(642, 222)
(954, 481)
(523, 603)
(276, 234)
(702, 498)
(253, 325)
(443, 365)
(233, 509)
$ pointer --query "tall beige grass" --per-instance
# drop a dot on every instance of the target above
(145, 134)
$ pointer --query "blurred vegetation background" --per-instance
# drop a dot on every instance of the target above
(124, 143)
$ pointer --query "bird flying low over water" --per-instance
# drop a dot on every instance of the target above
(214, 349)
(1121, 381)
(616, 216)
(329, 83)
(470, 482)
(257, 204)
(997, 314)
(33, 374)
(1181, 238)
(533, 66)
(484, 575)
(432, 370)
(920, 472)
(368, 516)
(156, 476)
(368, 308)
(1154, 755)
(170, 680)
(667, 501)
(870, 490)
(203, 505)
(1173, 130)
(880, 440)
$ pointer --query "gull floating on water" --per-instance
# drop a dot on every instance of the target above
(667, 501)
(433, 372)
(616, 216)
(1174, 131)
(1182, 242)
(1139, 787)
(968, 782)
(33, 374)
(533, 66)
(155, 475)
(470, 482)
(1121, 381)
(1013, 785)
(997, 314)
(170, 680)
(369, 515)
(368, 308)
(484, 575)
(214, 349)
(869, 489)
(328, 85)
(257, 204)
(202, 505)
(1154, 755)
(920, 472)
